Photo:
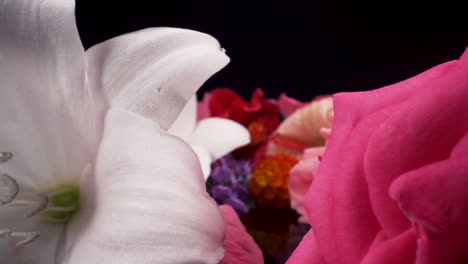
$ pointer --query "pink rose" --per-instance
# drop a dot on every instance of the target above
(239, 246)
(300, 179)
(392, 185)
(259, 115)
(301, 129)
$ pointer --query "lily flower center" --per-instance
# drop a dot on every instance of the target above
(64, 202)
(57, 204)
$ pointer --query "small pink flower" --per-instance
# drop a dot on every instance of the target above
(239, 246)
(301, 177)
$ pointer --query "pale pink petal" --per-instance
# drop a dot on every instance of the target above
(147, 201)
(300, 180)
(239, 245)
(313, 153)
(325, 132)
(185, 123)
(46, 110)
(219, 136)
(153, 72)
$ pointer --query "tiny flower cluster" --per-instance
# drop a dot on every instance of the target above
(228, 181)
(282, 133)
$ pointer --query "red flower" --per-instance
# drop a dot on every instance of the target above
(259, 116)
(226, 103)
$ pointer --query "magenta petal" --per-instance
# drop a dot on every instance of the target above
(413, 136)
(435, 198)
(461, 148)
(337, 202)
(341, 203)
(239, 246)
(464, 56)
(307, 252)
(401, 248)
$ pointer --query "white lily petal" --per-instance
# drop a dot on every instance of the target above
(154, 72)
(150, 201)
(40, 251)
(185, 123)
(46, 112)
(219, 136)
(205, 160)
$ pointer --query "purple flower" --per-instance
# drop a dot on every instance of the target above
(228, 181)
(221, 192)
(222, 174)
(226, 195)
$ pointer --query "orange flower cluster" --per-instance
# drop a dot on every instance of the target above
(269, 182)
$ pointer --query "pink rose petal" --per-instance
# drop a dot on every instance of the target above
(300, 179)
(238, 244)
(435, 197)
(400, 248)
(307, 251)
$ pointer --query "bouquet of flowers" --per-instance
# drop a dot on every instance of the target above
(386, 176)
(272, 173)
(107, 157)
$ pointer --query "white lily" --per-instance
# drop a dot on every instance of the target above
(210, 138)
(77, 189)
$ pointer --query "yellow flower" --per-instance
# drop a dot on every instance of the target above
(269, 182)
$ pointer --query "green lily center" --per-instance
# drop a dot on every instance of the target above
(64, 202)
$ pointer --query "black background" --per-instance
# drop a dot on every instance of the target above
(303, 50)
